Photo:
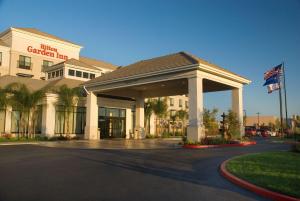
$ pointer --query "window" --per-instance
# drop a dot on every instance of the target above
(171, 101)
(172, 112)
(49, 76)
(180, 103)
(186, 104)
(78, 74)
(71, 72)
(57, 73)
(24, 62)
(0, 58)
(53, 74)
(76, 120)
(47, 64)
(92, 76)
(61, 72)
(85, 75)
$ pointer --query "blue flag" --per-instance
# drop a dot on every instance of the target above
(272, 80)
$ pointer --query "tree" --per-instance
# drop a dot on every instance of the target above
(68, 97)
(26, 102)
(148, 113)
(173, 119)
(3, 98)
(233, 130)
(210, 122)
(160, 108)
(182, 115)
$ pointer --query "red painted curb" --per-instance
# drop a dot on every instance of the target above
(256, 189)
(190, 146)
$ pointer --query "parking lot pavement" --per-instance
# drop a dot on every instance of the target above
(31, 172)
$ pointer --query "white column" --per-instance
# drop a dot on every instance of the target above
(48, 115)
(128, 122)
(195, 130)
(7, 125)
(139, 118)
(152, 124)
(237, 106)
(91, 127)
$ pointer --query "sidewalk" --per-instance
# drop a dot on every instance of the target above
(116, 144)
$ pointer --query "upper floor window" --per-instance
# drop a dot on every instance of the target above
(78, 73)
(47, 63)
(24, 62)
(180, 102)
(0, 58)
(172, 113)
(71, 72)
(85, 75)
(92, 76)
(171, 101)
(186, 104)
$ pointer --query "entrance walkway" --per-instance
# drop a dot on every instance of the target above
(169, 143)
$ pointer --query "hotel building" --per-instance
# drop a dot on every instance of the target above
(114, 105)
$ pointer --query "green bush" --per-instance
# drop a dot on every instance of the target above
(150, 136)
(296, 147)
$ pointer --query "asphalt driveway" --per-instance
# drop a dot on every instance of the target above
(33, 172)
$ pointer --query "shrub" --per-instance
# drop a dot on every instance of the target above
(296, 147)
(151, 136)
(233, 125)
(166, 135)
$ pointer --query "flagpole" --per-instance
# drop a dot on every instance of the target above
(284, 85)
(280, 103)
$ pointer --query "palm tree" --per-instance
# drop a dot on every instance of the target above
(148, 113)
(182, 115)
(160, 108)
(3, 98)
(173, 119)
(210, 121)
(26, 102)
(68, 97)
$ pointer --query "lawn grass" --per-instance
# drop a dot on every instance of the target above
(276, 171)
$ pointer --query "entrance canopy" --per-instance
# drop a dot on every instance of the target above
(164, 76)
(175, 74)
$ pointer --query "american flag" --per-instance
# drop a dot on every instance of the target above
(277, 70)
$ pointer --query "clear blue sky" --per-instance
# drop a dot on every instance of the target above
(245, 36)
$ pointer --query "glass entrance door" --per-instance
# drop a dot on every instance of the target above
(111, 122)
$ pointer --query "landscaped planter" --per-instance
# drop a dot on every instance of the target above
(240, 144)
(249, 185)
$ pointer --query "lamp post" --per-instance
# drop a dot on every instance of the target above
(245, 118)
(258, 119)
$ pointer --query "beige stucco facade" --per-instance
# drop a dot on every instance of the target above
(183, 86)
(20, 42)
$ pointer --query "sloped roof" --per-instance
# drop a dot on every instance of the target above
(171, 61)
(97, 63)
(41, 33)
(35, 84)
(74, 62)
(71, 83)
(32, 84)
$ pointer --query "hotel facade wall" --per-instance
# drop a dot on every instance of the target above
(53, 122)
(23, 43)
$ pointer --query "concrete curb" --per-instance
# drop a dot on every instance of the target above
(17, 143)
(189, 146)
(251, 187)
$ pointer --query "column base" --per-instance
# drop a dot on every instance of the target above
(92, 133)
(195, 134)
(139, 133)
